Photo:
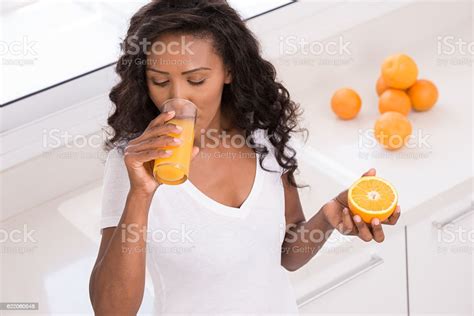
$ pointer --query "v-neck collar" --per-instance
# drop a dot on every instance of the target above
(213, 205)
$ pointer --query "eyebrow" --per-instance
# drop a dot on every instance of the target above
(183, 73)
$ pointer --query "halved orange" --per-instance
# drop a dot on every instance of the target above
(372, 197)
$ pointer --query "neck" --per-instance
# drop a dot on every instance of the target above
(219, 126)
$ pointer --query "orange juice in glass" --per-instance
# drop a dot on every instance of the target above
(174, 169)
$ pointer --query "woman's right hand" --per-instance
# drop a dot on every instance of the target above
(141, 152)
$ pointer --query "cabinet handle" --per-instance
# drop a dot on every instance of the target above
(339, 281)
(456, 218)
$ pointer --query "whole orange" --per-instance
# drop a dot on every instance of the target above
(394, 100)
(346, 103)
(399, 71)
(423, 95)
(392, 130)
(380, 86)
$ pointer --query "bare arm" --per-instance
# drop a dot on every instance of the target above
(118, 279)
(298, 247)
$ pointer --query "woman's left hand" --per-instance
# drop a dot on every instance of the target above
(338, 215)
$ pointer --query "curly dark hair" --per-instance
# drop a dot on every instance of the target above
(253, 100)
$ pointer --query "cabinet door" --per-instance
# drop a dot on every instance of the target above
(440, 261)
(370, 281)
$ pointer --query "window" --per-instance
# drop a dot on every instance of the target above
(46, 42)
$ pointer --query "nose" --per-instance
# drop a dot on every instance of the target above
(177, 91)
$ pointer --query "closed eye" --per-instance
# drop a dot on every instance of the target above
(194, 83)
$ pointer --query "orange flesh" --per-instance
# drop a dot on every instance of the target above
(373, 195)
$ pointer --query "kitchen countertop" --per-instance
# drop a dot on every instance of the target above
(433, 176)
(423, 172)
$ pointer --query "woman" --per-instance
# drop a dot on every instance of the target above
(216, 242)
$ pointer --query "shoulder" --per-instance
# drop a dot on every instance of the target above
(114, 156)
(262, 138)
(117, 152)
(290, 150)
(115, 167)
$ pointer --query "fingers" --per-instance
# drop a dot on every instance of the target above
(377, 231)
(161, 119)
(333, 214)
(370, 172)
(348, 227)
(393, 219)
(146, 155)
(364, 232)
(194, 152)
(341, 198)
(156, 131)
(153, 143)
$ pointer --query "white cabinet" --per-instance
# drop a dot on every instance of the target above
(440, 261)
(372, 280)
(348, 275)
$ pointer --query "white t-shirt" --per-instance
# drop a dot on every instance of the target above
(207, 257)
